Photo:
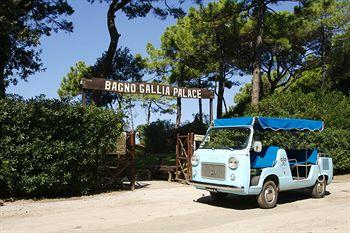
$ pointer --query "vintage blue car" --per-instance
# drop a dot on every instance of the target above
(231, 159)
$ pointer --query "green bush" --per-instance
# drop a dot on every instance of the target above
(158, 136)
(53, 148)
(333, 108)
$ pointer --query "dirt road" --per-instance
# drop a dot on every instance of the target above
(171, 207)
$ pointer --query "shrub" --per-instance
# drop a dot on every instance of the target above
(158, 136)
(53, 148)
(333, 108)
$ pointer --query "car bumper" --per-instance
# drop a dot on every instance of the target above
(217, 188)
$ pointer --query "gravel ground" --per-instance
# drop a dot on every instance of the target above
(159, 206)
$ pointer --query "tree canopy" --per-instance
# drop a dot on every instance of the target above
(22, 24)
(210, 46)
(126, 67)
(131, 9)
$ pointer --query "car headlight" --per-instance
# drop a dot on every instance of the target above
(194, 160)
(233, 163)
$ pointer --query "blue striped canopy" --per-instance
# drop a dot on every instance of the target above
(269, 123)
(237, 121)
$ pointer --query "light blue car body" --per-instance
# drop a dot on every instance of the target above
(241, 184)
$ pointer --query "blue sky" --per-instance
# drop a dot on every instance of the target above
(90, 39)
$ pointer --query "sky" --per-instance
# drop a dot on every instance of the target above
(90, 39)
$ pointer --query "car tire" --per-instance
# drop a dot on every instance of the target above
(218, 196)
(319, 189)
(268, 196)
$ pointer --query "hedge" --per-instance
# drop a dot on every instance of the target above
(332, 107)
(51, 148)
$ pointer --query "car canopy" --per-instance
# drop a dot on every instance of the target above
(269, 123)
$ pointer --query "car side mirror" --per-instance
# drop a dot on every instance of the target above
(257, 147)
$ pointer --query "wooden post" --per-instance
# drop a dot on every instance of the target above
(177, 157)
(132, 160)
(190, 153)
(188, 156)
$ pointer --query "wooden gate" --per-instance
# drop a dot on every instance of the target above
(184, 151)
(120, 164)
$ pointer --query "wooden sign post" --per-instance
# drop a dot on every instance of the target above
(100, 84)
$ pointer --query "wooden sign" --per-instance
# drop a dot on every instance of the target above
(146, 88)
(199, 137)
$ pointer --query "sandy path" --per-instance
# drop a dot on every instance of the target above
(172, 207)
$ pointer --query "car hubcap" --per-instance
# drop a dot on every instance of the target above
(320, 187)
(269, 194)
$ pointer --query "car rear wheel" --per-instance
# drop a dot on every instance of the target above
(319, 189)
(267, 198)
(218, 196)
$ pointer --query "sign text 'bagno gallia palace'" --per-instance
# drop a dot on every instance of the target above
(146, 88)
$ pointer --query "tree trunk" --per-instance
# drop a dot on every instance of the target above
(200, 113)
(178, 112)
(273, 87)
(114, 38)
(4, 56)
(200, 105)
(222, 79)
(149, 113)
(323, 57)
(113, 44)
(258, 52)
(220, 97)
(132, 119)
(225, 105)
(261, 89)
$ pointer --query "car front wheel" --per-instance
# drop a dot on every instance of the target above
(319, 189)
(267, 198)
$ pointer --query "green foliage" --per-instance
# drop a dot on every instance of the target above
(155, 104)
(158, 136)
(199, 49)
(310, 81)
(153, 160)
(333, 108)
(324, 21)
(132, 9)
(22, 25)
(53, 148)
(141, 8)
(243, 98)
(126, 67)
(70, 86)
(196, 126)
(324, 15)
(227, 138)
(339, 75)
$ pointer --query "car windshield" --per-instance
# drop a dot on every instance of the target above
(226, 138)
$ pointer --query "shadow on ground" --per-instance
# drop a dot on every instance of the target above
(239, 202)
(140, 185)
